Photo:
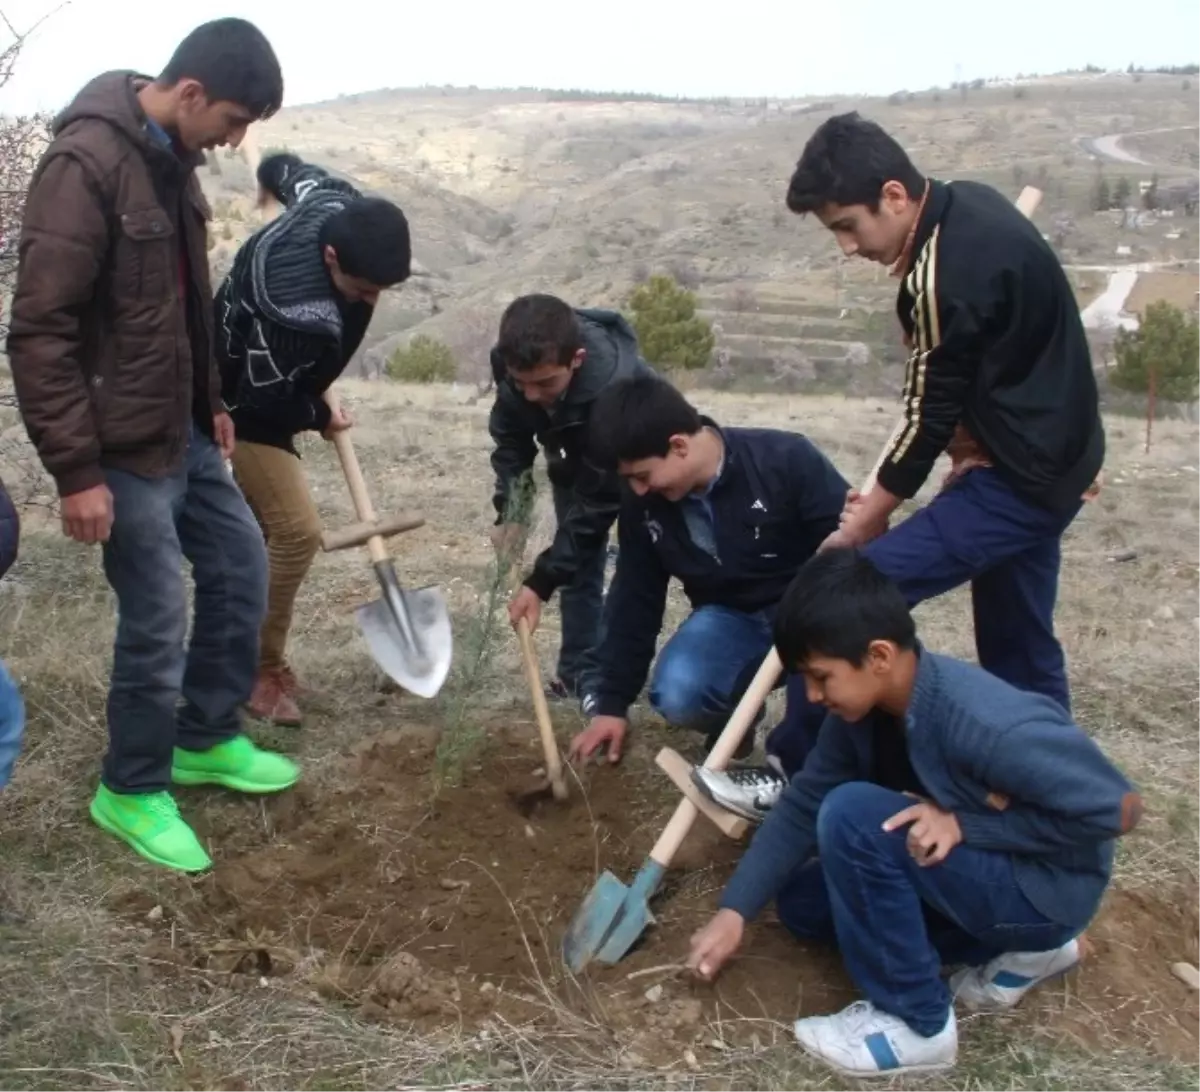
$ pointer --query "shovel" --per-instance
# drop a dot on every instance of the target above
(614, 916)
(555, 784)
(408, 632)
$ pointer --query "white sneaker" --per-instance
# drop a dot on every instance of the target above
(1001, 983)
(748, 791)
(862, 1041)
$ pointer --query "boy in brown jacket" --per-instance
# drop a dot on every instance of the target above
(111, 347)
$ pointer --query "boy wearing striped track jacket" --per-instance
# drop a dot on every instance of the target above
(999, 378)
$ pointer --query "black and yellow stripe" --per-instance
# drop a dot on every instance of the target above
(921, 286)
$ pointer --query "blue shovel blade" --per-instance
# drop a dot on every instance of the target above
(611, 918)
(634, 917)
(593, 921)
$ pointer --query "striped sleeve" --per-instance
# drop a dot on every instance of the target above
(947, 341)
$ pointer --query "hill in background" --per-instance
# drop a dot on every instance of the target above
(585, 195)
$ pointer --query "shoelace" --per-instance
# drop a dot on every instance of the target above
(862, 1017)
(752, 778)
(162, 806)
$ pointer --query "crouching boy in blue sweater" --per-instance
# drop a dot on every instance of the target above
(943, 817)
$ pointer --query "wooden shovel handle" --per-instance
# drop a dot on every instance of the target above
(541, 711)
(358, 491)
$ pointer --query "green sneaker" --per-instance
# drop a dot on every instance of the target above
(150, 823)
(237, 764)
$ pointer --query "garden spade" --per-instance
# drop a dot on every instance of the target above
(408, 632)
(613, 916)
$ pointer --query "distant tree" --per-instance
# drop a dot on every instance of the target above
(1160, 359)
(423, 360)
(1121, 192)
(668, 328)
(1101, 194)
(1150, 197)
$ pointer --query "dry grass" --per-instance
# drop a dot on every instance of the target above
(1181, 289)
(84, 1006)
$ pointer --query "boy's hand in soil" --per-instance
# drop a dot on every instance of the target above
(602, 730)
(713, 945)
(525, 604)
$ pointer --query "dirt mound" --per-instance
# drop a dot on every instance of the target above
(446, 910)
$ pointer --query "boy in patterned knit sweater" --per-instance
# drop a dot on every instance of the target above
(290, 315)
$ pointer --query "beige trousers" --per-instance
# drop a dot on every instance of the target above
(273, 483)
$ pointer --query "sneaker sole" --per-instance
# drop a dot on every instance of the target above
(880, 1074)
(193, 778)
(106, 824)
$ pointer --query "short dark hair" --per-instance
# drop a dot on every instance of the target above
(370, 237)
(233, 61)
(535, 329)
(835, 606)
(846, 162)
(635, 418)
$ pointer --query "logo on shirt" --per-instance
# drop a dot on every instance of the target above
(654, 530)
(758, 506)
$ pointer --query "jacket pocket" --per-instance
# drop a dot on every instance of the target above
(144, 261)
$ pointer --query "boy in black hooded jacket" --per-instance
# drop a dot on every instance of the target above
(549, 364)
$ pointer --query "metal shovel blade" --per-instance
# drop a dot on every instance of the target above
(408, 633)
(611, 918)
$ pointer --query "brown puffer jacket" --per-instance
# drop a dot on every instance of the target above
(108, 354)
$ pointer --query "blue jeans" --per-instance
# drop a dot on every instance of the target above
(12, 723)
(979, 531)
(581, 606)
(894, 921)
(706, 666)
(199, 514)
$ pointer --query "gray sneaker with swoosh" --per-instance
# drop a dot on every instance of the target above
(748, 791)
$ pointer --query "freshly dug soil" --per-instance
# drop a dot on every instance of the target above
(444, 910)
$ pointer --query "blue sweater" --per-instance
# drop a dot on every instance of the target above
(1020, 776)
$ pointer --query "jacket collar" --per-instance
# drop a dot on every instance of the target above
(728, 459)
(932, 209)
(926, 688)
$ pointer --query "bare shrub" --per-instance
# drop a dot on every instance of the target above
(23, 138)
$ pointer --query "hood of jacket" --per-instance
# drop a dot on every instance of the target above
(289, 281)
(610, 343)
(611, 347)
(112, 98)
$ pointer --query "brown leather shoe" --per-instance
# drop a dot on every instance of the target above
(292, 686)
(271, 700)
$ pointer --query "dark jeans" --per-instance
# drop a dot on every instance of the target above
(705, 667)
(581, 605)
(895, 922)
(199, 514)
(979, 531)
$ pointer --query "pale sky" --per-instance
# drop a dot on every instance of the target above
(746, 47)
